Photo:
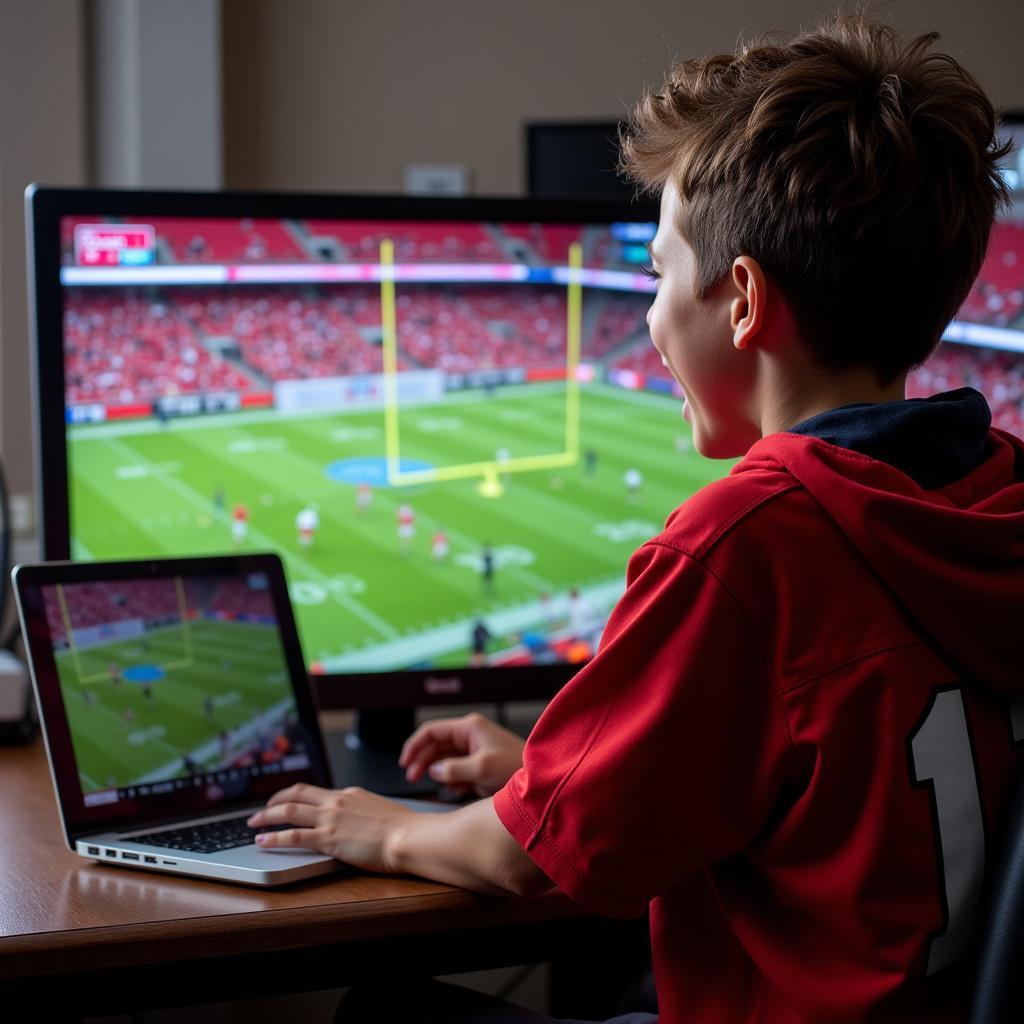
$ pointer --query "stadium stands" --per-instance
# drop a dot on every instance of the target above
(234, 598)
(548, 243)
(423, 242)
(98, 604)
(287, 335)
(999, 376)
(482, 328)
(124, 347)
(997, 297)
(622, 318)
(642, 358)
(229, 241)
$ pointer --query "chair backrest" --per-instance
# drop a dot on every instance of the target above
(998, 993)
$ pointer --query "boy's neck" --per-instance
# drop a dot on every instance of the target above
(787, 402)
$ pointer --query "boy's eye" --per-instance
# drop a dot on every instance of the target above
(650, 273)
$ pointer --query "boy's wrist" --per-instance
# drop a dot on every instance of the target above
(399, 844)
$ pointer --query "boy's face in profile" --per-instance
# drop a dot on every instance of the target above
(694, 337)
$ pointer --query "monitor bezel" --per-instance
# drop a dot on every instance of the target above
(45, 206)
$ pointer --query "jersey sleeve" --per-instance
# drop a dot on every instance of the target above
(665, 754)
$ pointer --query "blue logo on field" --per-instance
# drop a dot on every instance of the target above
(143, 674)
(370, 469)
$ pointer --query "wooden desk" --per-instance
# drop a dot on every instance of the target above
(91, 939)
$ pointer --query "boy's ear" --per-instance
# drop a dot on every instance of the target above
(747, 309)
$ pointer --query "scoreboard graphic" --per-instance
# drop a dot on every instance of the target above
(114, 245)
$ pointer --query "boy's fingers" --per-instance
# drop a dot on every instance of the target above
(421, 757)
(288, 837)
(456, 770)
(288, 813)
(302, 793)
(441, 732)
(417, 768)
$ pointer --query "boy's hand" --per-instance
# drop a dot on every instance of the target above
(350, 824)
(471, 753)
(468, 847)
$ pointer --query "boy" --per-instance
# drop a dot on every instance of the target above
(797, 732)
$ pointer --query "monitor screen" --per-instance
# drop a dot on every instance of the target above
(436, 421)
(165, 681)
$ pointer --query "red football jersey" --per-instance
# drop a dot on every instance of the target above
(797, 738)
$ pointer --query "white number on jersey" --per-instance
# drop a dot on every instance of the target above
(942, 755)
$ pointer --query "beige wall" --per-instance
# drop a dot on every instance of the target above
(42, 138)
(338, 94)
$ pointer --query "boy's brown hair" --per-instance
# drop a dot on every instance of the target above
(860, 172)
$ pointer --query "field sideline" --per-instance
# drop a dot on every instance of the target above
(144, 489)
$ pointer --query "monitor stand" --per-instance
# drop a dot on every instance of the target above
(367, 754)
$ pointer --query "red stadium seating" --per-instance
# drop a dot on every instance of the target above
(997, 297)
(289, 335)
(122, 348)
(203, 240)
(549, 243)
(643, 358)
(422, 242)
(999, 376)
(234, 598)
(98, 604)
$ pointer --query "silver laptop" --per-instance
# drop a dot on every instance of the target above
(174, 702)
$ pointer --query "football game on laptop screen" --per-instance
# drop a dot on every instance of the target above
(166, 692)
(454, 433)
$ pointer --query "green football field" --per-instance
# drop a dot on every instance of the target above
(122, 737)
(145, 488)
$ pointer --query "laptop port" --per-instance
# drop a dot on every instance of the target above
(129, 856)
(93, 851)
(110, 853)
(173, 863)
(149, 860)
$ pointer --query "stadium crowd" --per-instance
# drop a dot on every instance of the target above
(100, 604)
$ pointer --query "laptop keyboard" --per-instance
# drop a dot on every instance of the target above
(211, 837)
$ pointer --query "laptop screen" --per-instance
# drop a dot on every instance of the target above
(168, 692)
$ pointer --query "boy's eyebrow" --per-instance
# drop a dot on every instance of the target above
(650, 252)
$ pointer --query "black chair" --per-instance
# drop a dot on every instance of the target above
(998, 993)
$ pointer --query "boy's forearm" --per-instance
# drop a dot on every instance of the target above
(470, 848)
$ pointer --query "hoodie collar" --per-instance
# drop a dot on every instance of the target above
(935, 441)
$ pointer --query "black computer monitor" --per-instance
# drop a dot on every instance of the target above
(426, 406)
